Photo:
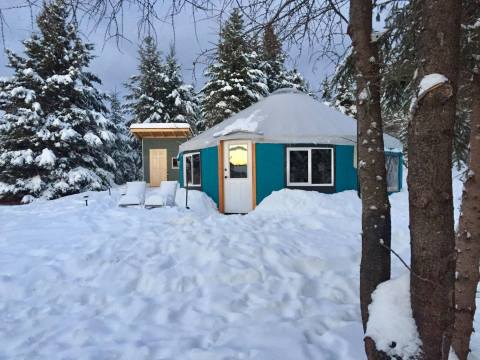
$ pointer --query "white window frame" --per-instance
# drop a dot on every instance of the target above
(171, 162)
(185, 156)
(309, 149)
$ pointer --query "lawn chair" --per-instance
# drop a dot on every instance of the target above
(162, 196)
(135, 194)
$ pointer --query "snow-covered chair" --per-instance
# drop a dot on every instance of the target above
(135, 194)
(162, 196)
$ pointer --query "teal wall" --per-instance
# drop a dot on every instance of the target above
(180, 169)
(345, 172)
(209, 163)
(270, 172)
(270, 160)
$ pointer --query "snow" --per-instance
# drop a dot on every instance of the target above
(60, 79)
(160, 126)
(104, 282)
(20, 157)
(92, 139)
(391, 323)
(163, 195)
(46, 158)
(68, 133)
(82, 175)
(23, 92)
(135, 194)
(363, 95)
(248, 125)
(428, 82)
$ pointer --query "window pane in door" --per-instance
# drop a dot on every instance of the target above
(238, 157)
(298, 166)
(321, 166)
(196, 169)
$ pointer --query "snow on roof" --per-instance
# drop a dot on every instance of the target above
(160, 126)
(286, 116)
(247, 125)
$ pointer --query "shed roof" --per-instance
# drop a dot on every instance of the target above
(161, 130)
(287, 116)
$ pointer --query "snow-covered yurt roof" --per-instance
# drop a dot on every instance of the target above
(286, 116)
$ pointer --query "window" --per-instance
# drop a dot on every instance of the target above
(174, 163)
(238, 159)
(191, 167)
(310, 166)
(392, 163)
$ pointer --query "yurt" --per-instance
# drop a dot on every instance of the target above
(286, 140)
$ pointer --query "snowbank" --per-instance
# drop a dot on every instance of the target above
(390, 322)
(197, 201)
(304, 207)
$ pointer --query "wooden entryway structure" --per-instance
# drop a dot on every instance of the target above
(160, 142)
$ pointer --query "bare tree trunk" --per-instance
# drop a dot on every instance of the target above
(375, 264)
(468, 237)
(430, 137)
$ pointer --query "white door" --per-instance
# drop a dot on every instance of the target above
(237, 176)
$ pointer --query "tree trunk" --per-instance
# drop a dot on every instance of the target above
(468, 236)
(430, 137)
(375, 263)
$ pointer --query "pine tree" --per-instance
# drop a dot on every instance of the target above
(158, 93)
(273, 59)
(54, 134)
(273, 65)
(145, 101)
(127, 160)
(181, 103)
(236, 79)
(341, 88)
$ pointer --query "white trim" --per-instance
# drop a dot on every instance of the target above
(185, 169)
(171, 162)
(143, 162)
(309, 150)
(237, 191)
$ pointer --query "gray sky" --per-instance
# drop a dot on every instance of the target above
(115, 64)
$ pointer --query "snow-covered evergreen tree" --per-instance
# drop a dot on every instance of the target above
(235, 78)
(158, 93)
(273, 65)
(54, 135)
(339, 92)
(145, 100)
(123, 151)
(181, 103)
